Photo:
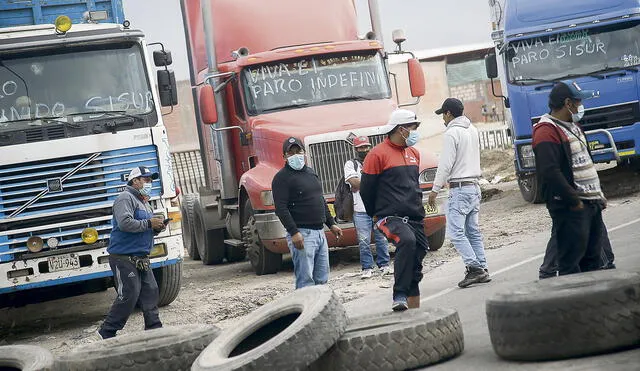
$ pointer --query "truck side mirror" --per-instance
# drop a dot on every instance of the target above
(416, 78)
(491, 64)
(167, 88)
(162, 58)
(208, 111)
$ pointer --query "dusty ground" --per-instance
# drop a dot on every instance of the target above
(220, 294)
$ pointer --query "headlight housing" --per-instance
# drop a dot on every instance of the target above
(428, 175)
(526, 156)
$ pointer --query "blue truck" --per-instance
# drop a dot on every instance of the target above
(595, 43)
(79, 108)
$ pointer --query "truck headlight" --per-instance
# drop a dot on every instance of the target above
(428, 175)
(526, 155)
(267, 198)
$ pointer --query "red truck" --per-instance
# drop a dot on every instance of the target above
(262, 71)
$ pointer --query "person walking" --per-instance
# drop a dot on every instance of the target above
(302, 210)
(361, 220)
(391, 194)
(569, 180)
(459, 165)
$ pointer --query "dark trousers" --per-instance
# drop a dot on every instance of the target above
(133, 287)
(578, 239)
(411, 248)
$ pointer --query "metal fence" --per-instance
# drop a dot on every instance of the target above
(495, 139)
(188, 171)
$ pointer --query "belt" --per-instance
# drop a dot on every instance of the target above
(461, 184)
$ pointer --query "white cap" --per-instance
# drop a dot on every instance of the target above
(142, 171)
(400, 117)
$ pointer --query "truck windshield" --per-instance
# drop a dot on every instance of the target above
(314, 81)
(579, 52)
(69, 82)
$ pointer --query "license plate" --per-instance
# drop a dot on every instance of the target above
(430, 210)
(332, 210)
(63, 262)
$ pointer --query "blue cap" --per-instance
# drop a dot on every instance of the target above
(142, 171)
(575, 91)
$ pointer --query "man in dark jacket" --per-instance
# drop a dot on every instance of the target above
(391, 194)
(134, 227)
(302, 209)
(569, 180)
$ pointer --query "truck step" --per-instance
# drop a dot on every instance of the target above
(231, 207)
(234, 243)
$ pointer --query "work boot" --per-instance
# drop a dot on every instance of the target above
(488, 279)
(474, 275)
(413, 302)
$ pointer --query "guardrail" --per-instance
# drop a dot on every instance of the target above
(495, 139)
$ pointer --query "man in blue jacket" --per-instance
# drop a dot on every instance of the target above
(134, 227)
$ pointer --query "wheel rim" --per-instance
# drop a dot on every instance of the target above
(252, 241)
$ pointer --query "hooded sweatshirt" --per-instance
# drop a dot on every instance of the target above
(460, 157)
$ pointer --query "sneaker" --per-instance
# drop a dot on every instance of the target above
(386, 270)
(94, 337)
(366, 273)
(488, 278)
(399, 304)
(610, 265)
(473, 275)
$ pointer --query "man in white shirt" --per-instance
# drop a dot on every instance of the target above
(459, 165)
(362, 221)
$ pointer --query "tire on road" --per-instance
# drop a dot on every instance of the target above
(568, 316)
(209, 242)
(164, 349)
(188, 230)
(436, 240)
(26, 358)
(169, 278)
(396, 341)
(286, 334)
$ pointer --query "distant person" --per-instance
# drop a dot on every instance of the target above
(302, 209)
(459, 166)
(569, 180)
(485, 113)
(362, 221)
(391, 194)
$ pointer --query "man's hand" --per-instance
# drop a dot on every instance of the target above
(337, 231)
(577, 207)
(298, 241)
(603, 203)
(157, 224)
(432, 198)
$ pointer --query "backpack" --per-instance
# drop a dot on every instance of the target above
(343, 203)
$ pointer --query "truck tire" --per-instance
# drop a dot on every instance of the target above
(188, 231)
(530, 189)
(210, 242)
(568, 316)
(26, 358)
(436, 240)
(168, 278)
(262, 260)
(169, 348)
(396, 341)
(287, 334)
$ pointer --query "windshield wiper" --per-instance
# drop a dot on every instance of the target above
(298, 105)
(347, 98)
(108, 113)
(595, 74)
(524, 80)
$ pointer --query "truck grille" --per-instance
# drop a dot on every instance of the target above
(83, 200)
(609, 117)
(328, 159)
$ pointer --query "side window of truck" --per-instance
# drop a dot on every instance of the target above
(237, 100)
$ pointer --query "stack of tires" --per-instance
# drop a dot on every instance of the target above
(308, 329)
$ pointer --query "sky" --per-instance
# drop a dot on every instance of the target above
(428, 24)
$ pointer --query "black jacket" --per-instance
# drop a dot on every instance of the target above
(299, 201)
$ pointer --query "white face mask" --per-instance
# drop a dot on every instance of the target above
(146, 189)
(576, 117)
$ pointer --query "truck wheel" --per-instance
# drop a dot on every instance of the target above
(286, 334)
(529, 188)
(565, 317)
(168, 348)
(26, 357)
(188, 233)
(436, 240)
(262, 260)
(210, 242)
(168, 279)
(396, 341)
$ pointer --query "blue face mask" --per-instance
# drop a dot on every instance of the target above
(296, 161)
(412, 138)
(146, 189)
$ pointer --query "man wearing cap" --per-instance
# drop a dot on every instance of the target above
(569, 180)
(302, 210)
(391, 194)
(361, 220)
(134, 227)
(459, 165)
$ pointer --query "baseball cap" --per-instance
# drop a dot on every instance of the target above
(452, 105)
(290, 142)
(142, 171)
(570, 89)
(400, 117)
(361, 141)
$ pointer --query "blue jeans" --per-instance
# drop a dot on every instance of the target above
(311, 264)
(364, 225)
(462, 225)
